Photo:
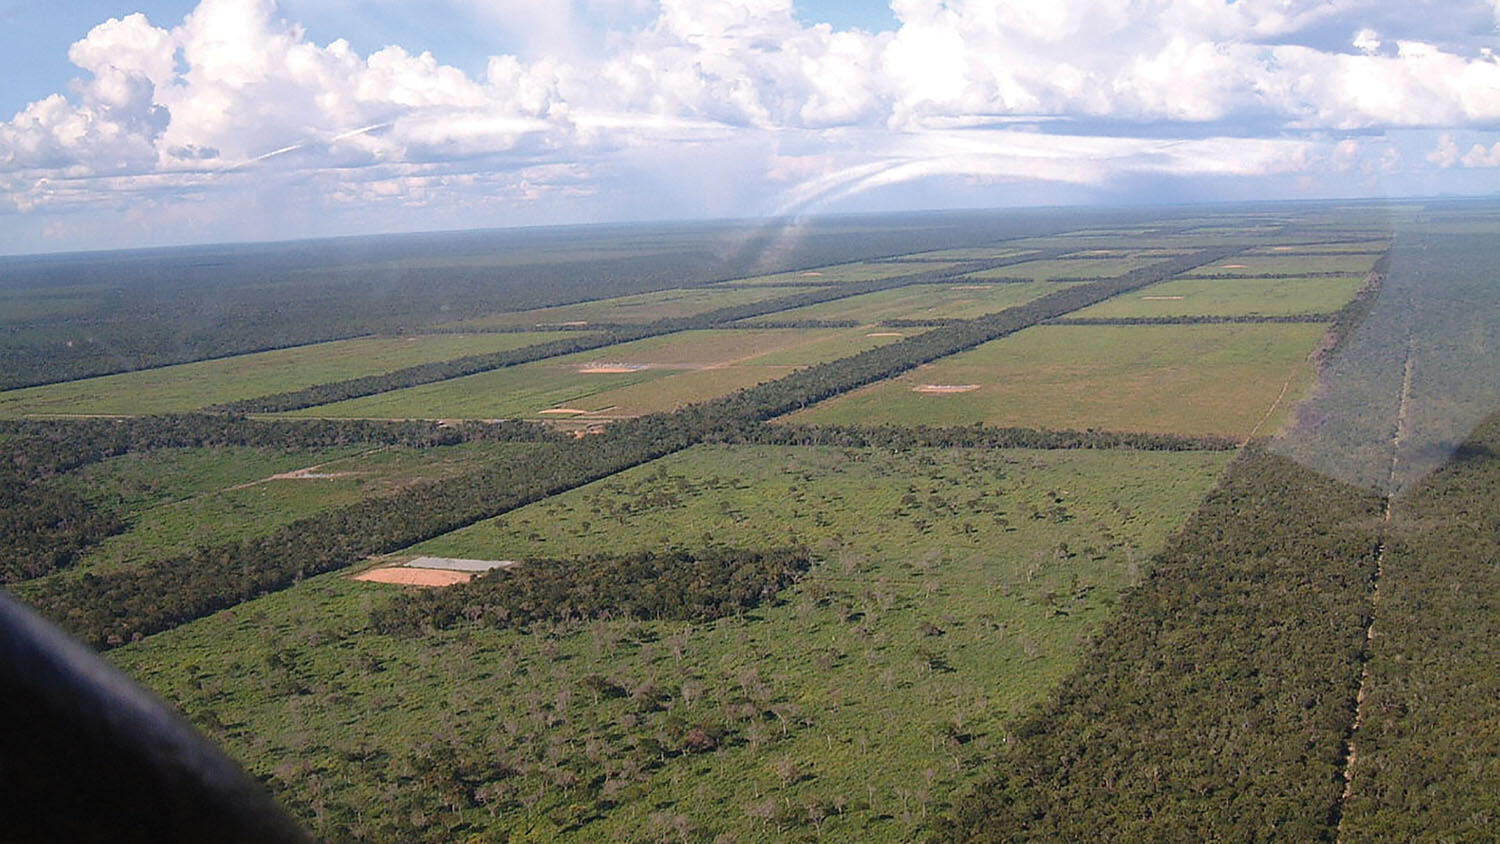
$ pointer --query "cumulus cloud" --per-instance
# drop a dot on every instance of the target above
(959, 87)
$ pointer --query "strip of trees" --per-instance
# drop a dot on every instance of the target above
(677, 586)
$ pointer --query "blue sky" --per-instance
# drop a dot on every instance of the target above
(212, 120)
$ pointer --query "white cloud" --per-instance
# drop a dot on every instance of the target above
(1478, 156)
(1446, 154)
(234, 89)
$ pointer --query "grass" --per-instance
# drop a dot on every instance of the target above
(658, 373)
(1072, 268)
(191, 386)
(1289, 264)
(920, 301)
(1225, 297)
(977, 253)
(178, 499)
(1364, 247)
(844, 273)
(1182, 379)
(952, 588)
(634, 309)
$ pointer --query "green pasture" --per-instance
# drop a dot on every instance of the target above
(656, 373)
(1358, 247)
(1073, 267)
(178, 499)
(645, 307)
(1230, 297)
(1184, 379)
(952, 588)
(844, 273)
(191, 386)
(1288, 264)
(920, 301)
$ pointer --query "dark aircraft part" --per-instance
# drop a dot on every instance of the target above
(87, 755)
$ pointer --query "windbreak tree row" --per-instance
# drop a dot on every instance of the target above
(1216, 705)
(677, 586)
(114, 607)
(446, 370)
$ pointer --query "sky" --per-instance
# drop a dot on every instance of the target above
(159, 122)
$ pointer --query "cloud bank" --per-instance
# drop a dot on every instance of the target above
(233, 123)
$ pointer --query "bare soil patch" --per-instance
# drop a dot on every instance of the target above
(458, 564)
(944, 388)
(1234, 267)
(557, 410)
(403, 576)
(610, 368)
(812, 274)
(885, 334)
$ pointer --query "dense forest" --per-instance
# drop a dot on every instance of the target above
(1427, 764)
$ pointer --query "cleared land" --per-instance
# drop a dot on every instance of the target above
(185, 387)
(1288, 264)
(178, 499)
(645, 307)
(843, 273)
(1231, 297)
(1182, 379)
(854, 705)
(919, 301)
(1073, 267)
(657, 373)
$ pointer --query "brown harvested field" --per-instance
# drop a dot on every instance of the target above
(403, 576)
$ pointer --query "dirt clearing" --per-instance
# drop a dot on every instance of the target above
(944, 388)
(609, 368)
(403, 576)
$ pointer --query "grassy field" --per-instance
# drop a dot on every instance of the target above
(1073, 267)
(920, 301)
(978, 253)
(1185, 379)
(1364, 247)
(1288, 263)
(843, 273)
(634, 309)
(177, 499)
(657, 373)
(953, 587)
(1228, 297)
(192, 386)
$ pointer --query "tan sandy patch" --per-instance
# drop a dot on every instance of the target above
(1233, 267)
(944, 388)
(812, 274)
(414, 577)
(885, 334)
(570, 410)
(610, 369)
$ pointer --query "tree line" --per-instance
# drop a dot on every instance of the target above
(971, 436)
(679, 586)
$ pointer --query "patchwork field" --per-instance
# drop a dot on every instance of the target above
(1231, 297)
(1073, 267)
(1289, 264)
(185, 387)
(854, 705)
(178, 499)
(919, 301)
(1186, 379)
(844, 273)
(645, 307)
(657, 373)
